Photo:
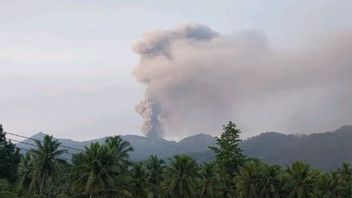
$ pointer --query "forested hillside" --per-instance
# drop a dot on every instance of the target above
(325, 151)
(104, 169)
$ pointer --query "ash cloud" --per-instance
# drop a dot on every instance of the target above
(197, 79)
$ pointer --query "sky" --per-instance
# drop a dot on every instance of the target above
(66, 66)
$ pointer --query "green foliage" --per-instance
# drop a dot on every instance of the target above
(40, 168)
(105, 171)
(139, 181)
(101, 171)
(155, 168)
(257, 179)
(208, 180)
(346, 174)
(301, 180)
(5, 189)
(229, 157)
(25, 171)
(331, 185)
(9, 158)
(228, 154)
(181, 177)
(4, 185)
(7, 194)
(119, 150)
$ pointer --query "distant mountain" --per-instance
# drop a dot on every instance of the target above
(322, 150)
(143, 146)
(325, 151)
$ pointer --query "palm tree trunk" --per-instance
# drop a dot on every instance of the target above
(41, 186)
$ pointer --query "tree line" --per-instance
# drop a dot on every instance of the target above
(105, 171)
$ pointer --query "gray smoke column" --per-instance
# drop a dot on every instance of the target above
(196, 80)
(158, 45)
(150, 111)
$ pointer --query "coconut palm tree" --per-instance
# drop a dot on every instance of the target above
(181, 176)
(271, 182)
(345, 173)
(226, 187)
(301, 180)
(44, 163)
(331, 185)
(139, 181)
(120, 149)
(208, 183)
(97, 173)
(248, 180)
(155, 168)
(25, 170)
(257, 179)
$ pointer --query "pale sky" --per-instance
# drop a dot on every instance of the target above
(65, 66)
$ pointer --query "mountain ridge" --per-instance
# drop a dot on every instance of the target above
(325, 151)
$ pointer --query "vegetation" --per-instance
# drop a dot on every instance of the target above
(9, 159)
(105, 171)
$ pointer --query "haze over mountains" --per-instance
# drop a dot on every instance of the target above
(322, 150)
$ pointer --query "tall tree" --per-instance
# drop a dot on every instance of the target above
(181, 176)
(229, 157)
(228, 153)
(9, 158)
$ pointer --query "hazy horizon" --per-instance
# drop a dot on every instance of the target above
(78, 69)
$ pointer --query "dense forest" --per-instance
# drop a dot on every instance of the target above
(106, 171)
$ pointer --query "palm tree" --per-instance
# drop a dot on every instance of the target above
(346, 174)
(301, 180)
(257, 179)
(97, 172)
(271, 184)
(181, 176)
(25, 170)
(248, 180)
(139, 182)
(155, 167)
(226, 188)
(120, 149)
(208, 180)
(42, 165)
(331, 185)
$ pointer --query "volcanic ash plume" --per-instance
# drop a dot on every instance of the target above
(150, 111)
(158, 45)
(196, 80)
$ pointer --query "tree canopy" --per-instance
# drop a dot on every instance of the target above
(104, 170)
(9, 158)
